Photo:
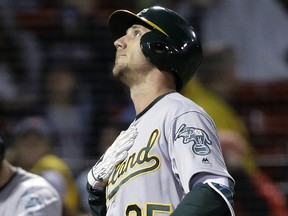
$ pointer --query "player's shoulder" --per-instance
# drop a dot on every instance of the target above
(180, 102)
(25, 182)
(31, 193)
(175, 105)
(29, 180)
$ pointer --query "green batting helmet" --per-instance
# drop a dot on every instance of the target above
(172, 44)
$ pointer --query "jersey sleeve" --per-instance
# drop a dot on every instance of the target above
(194, 147)
(39, 201)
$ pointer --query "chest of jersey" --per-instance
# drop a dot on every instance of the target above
(169, 149)
(146, 175)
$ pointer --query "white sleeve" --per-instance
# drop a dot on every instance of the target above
(194, 148)
(40, 200)
(56, 180)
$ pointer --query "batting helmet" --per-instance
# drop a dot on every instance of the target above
(171, 45)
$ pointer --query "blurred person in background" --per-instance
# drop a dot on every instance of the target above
(257, 30)
(82, 41)
(32, 149)
(11, 67)
(66, 105)
(9, 54)
(20, 59)
(23, 193)
(261, 52)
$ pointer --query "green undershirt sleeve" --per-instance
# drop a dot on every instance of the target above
(97, 201)
(202, 201)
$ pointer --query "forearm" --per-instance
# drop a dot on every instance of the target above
(97, 201)
(202, 201)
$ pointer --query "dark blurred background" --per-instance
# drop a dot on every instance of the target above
(56, 58)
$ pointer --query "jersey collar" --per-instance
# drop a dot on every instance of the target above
(152, 104)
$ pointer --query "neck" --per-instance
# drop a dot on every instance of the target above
(142, 96)
(6, 172)
(149, 87)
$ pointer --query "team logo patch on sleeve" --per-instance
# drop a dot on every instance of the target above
(199, 138)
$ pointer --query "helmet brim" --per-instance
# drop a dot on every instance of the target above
(120, 20)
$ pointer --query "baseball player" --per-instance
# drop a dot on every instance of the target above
(169, 160)
(23, 193)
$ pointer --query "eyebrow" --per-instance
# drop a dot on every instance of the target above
(133, 27)
(136, 26)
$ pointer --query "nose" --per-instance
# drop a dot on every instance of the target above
(120, 43)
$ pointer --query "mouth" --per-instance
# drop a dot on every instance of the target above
(119, 56)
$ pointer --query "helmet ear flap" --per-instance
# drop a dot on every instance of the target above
(159, 50)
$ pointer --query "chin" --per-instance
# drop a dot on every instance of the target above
(118, 74)
(122, 74)
(119, 70)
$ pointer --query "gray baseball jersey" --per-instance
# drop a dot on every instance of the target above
(176, 140)
(28, 194)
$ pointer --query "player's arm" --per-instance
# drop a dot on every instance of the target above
(97, 201)
(203, 197)
(210, 195)
(38, 198)
(202, 200)
(97, 178)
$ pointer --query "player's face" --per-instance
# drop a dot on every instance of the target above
(130, 63)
